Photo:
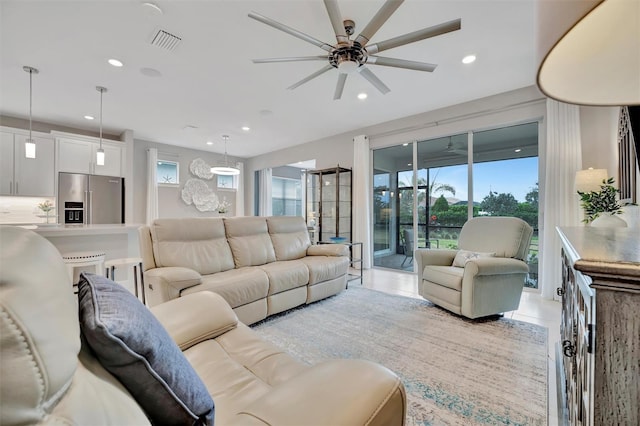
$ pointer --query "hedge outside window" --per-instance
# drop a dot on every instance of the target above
(167, 173)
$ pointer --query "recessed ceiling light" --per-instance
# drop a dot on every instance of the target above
(519, 149)
(115, 62)
(362, 96)
(209, 143)
(246, 128)
(409, 164)
(405, 144)
(468, 59)
(89, 117)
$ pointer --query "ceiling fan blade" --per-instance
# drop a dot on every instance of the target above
(422, 34)
(336, 20)
(371, 77)
(311, 77)
(377, 21)
(291, 59)
(282, 27)
(401, 63)
(342, 78)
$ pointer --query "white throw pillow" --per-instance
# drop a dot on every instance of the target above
(463, 256)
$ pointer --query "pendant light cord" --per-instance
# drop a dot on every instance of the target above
(30, 101)
(226, 160)
(101, 92)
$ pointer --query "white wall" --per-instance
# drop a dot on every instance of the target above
(599, 133)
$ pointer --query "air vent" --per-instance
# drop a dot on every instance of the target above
(165, 40)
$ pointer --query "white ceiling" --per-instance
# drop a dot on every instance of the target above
(209, 81)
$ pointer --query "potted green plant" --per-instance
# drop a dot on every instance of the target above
(601, 207)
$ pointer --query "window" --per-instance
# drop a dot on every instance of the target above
(167, 173)
(286, 197)
(226, 182)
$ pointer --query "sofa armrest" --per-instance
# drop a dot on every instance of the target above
(346, 392)
(164, 284)
(195, 317)
(328, 250)
(495, 266)
(440, 257)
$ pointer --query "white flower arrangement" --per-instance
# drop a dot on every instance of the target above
(223, 207)
(46, 206)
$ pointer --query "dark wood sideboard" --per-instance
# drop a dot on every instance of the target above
(599, 352)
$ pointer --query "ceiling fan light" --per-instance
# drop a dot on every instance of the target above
(347, 67)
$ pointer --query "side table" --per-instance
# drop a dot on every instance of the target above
(354, 259)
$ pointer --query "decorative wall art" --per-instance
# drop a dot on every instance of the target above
(197, 191)
(201, 169)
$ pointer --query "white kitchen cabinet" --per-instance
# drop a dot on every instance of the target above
(79, 156)
(6, 163)
(33, 177)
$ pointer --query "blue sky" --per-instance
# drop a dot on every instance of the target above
(516, 177)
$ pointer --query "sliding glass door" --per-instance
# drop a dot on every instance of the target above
(505, 179)
(444, 175)
(492, 172)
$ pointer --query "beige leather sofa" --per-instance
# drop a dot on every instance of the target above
(485, 275)
(49, 376)
(259, 265)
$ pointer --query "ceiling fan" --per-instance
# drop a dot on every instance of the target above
(349, 56)
(450, 148)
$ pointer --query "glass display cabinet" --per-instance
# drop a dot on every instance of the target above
(328, 203)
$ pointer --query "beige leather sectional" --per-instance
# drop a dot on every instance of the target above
(259, 265)
(50, 376)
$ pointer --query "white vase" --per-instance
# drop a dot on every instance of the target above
(631, 215)
(607, 220)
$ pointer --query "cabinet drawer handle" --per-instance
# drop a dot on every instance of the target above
(559, 291)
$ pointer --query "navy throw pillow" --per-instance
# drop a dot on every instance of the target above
(132, 344)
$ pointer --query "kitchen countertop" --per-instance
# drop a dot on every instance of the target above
(55, 230)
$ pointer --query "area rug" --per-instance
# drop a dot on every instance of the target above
(455, 371)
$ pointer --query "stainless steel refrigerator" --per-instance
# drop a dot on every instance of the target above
(90, 199)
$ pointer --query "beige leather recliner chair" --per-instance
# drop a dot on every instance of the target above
(491, 268)
(48, 376)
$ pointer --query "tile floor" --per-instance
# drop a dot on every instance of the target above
(533, 309)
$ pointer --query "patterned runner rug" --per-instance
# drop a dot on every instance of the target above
(455, 371)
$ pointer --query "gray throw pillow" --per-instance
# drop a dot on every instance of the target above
(131, 344)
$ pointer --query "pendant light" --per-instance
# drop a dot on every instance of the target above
(30, 144)
(100, 152)
(225, 169)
